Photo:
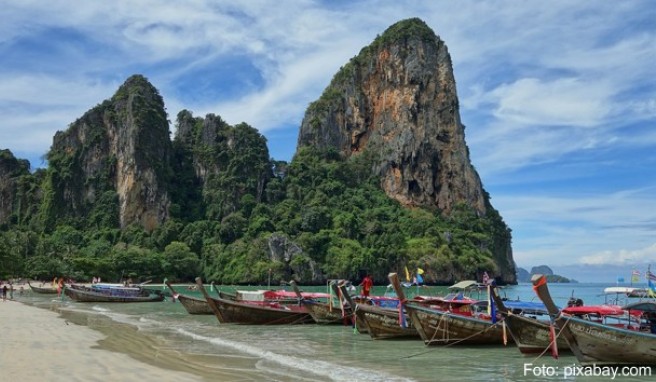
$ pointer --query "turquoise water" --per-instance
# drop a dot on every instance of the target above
(313, 352)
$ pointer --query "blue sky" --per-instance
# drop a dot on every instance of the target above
(558, 97)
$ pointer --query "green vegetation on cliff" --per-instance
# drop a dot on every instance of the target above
(333, 211)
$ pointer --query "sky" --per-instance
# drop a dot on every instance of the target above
(558, 97)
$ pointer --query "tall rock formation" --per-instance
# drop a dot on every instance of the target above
(228, 161)
(398, 99)
(119, 150)
(397, 102)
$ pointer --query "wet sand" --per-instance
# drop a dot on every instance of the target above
(46, 345)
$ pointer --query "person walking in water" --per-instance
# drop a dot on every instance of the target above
(60, 286)
(366, 285)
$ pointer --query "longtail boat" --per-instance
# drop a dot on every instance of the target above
(325, 312)
(111, 294)
(596, 343)
(193, 305)
(385, 323)
(441, 327)
(529, 333)
(268, 313)
(42, 290)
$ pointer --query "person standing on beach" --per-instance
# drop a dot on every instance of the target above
(366, 284)
(60, 286)
(4, 292)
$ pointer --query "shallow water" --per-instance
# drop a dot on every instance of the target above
(163, 334)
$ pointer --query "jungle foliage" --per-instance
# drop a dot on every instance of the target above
(332, 210)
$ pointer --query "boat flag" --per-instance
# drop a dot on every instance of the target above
(420, 271)
(420, 279)
(491, 309)
(651, 291)
(407, 275)
(649, 275)
(635, 276)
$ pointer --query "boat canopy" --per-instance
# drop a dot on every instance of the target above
(644, 306)
(602, 310)
(619, 290)
(264, 295)
(527, 307)
(467, 284)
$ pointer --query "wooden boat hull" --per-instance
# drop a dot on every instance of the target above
(193, 305)
(441, 328)
(41, 290)
(86, 295)
(383, 323)
(596, 343)
(361, 325)
(531, 335)
(323, 314)
(606, 345)
(236, 312)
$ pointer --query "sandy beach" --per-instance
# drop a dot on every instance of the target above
(40, 345)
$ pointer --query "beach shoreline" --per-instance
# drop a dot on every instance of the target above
(54, 344)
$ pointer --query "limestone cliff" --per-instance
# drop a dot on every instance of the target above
(397, 102)
(229, 161)
(119, 147)
(397, 98)
(13, 175)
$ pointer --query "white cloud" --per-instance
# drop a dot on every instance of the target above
(597, 227)
(622, 257)
(563, 102)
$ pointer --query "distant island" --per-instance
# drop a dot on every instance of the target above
(524, 276)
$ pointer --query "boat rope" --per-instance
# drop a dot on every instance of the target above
(470, 336)
(300, 318)
(445, 330)
(551, 343)
(430, 349)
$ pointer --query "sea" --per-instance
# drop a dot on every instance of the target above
(165, 335)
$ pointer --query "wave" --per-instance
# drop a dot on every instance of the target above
(326, 369)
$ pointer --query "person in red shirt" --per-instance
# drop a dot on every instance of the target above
(366, 284)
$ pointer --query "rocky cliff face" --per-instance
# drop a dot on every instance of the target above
(398, 99)
(121, 146)
(229, 161)
(397, 102)
(11, 171)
